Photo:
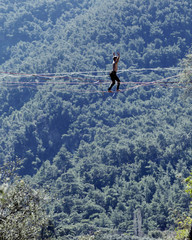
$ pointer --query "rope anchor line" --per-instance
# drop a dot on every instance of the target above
(86, 78)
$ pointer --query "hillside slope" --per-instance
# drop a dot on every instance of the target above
(104, 159)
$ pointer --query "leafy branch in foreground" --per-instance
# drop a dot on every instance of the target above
(8, 171)
(21, 214)
(184, 230)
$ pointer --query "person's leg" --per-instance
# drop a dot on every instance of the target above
(112, 84)
(113, 81)
(118, 82)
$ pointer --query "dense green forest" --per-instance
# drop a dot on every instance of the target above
(112, 164)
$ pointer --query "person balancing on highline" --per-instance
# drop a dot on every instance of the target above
(113, 74)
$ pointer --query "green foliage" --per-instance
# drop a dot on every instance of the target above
(184, 229)
(186, 76)
(21, 215)
(9, 170)
(185, 223)
(101, 157)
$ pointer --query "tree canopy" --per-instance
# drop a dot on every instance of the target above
(113, 163)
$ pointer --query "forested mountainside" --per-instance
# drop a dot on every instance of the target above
(113, 164)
